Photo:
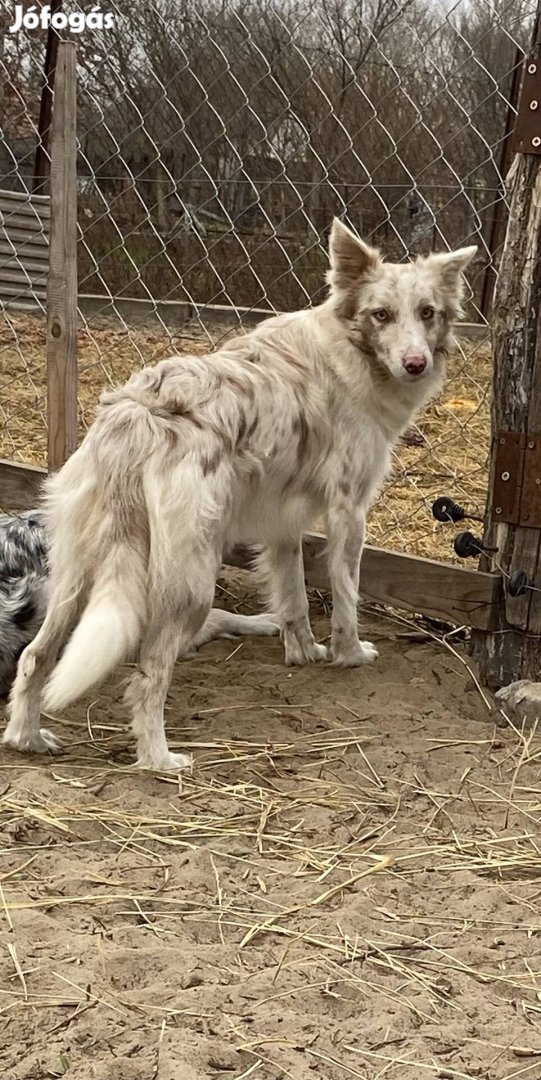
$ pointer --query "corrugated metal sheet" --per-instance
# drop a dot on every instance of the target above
(24, 248)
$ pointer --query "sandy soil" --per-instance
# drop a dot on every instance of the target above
(347, 885)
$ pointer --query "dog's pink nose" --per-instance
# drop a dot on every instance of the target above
(414, 363)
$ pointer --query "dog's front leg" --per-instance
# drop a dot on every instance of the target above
(345, 533)
(283, 568)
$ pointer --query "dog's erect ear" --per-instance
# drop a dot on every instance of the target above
(351, 259)
(450, 264)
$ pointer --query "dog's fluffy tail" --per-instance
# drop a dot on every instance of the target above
(108, 631)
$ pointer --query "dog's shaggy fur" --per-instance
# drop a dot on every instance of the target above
(294, 420)
(24, 592)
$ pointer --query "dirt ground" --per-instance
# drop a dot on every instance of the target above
(346, 885)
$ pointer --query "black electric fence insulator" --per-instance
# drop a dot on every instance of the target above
(518, 583)
(468, 546)
(446, 509)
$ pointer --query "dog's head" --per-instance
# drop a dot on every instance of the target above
(399, 315)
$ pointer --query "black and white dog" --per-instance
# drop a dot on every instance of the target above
(23, 587)
(24, 592)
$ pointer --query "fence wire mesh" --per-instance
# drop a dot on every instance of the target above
(217, 140)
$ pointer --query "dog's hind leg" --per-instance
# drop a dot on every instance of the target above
(228, 624)
(23, 731)
(175, 620)
(283, 568)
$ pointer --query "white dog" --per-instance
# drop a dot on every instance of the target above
(24, 594)
(294, 420)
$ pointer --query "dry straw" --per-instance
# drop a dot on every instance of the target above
(447, 451)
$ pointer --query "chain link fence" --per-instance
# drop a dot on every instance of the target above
(217, 140)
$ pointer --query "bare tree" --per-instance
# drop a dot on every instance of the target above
(242, 126)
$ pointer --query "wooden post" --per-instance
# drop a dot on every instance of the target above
(506, 155)
(513, 651)
(62, 279)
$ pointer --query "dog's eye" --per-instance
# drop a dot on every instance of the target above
(382, 315)
(427, 312)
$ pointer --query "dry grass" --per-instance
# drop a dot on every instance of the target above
(454, 431)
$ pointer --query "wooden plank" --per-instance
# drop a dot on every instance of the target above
(20, 271)
(43, 201)
(28, 303)
(62, 282)
(20, 262)
(28, 292)
(30, 221)
(17, 237)
(23, 275)
(438, 590)
(24, 251)
(25, 210)
(21, 205)
(20, 485)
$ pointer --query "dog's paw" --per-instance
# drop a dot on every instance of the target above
(521, 701)
(165, 763)
(38, 742)
(361, 653)
(264, 625)
(307, 653)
